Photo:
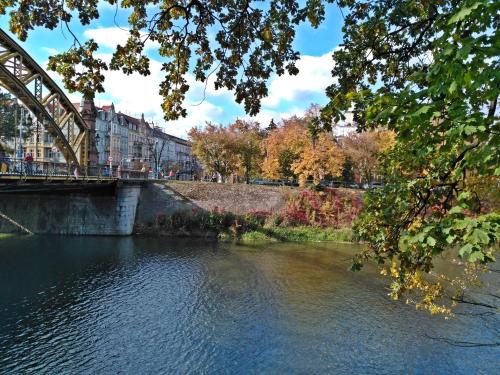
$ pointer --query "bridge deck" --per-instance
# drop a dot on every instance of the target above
(53, 184)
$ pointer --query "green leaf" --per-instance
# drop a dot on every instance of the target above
(456, 210)
(450, 238)
(469, 129)
(464, 195)
(462, 13)
(468, 79)
(423, 109)
(480, 236)
(453, 87)
(431, 241)
(476, 255)
(466, 249)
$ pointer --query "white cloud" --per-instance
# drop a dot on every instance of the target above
(314, 76)
(50, 51)
(201, 90)
(135, 94)
(265, 116)
(110, 37)
(197, 116)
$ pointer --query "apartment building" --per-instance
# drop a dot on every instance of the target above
(123, 140)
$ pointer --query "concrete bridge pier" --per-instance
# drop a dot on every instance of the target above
(83, 209)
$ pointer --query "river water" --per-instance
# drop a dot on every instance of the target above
(156, 306)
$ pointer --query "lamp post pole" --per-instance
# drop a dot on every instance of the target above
(155, 156)
(20, 151)
(110, 159)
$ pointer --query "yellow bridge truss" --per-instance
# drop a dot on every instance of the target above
(24, 78)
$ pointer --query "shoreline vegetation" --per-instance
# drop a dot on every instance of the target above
(299, 234)
(308, 216)
(276, 234)
(262, 234)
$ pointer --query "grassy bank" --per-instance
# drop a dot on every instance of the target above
(298, 234)
(6, 235)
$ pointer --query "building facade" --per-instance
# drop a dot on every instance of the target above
(172, 156)
(41, 146)
(344, 127)
(122, 140)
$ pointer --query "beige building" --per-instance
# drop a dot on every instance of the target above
(42, 147)
(127, 141)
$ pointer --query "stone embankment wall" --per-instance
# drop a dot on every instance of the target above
(166, 198)
(117, 212)
(72, 214)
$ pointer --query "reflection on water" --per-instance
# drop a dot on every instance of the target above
(103, 305)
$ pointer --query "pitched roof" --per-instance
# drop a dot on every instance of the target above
(129, 119)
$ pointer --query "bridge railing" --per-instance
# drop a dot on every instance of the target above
(22, 169)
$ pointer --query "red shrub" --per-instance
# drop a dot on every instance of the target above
(329, 208)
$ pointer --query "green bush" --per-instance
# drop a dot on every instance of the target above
(307, 233)
(256, 236)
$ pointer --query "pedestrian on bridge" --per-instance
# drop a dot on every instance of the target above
(29, 163)
(76, 172)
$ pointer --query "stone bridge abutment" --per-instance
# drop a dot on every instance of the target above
(70, 209)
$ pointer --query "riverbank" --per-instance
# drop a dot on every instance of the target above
(226, 226)
(247, 213)
(276, 234)
(299, 234)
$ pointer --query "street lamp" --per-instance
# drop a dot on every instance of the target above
(28, 121)
(156, 156)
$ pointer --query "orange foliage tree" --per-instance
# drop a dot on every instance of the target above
(247, 137)
(283, 147)
(214, 146)
(319, 159)
(363, 150)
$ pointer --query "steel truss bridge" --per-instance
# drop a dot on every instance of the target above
(24, 78)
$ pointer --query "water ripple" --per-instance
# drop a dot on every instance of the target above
(154, 306)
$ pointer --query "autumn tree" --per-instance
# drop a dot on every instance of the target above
(319, 159)
(214, 146)
(364, 150)
(283, 147)
(246, 137)
(272, 126)
(157, 142)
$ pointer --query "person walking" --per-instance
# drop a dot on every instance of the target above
(29, 163)
(76, 173)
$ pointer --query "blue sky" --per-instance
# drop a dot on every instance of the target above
(137, 94)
